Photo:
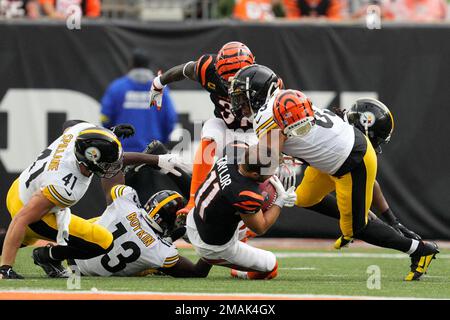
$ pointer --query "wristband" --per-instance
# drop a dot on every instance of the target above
(279, 202)
(157, 83)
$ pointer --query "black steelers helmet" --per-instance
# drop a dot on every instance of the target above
(374, 119)
(251, 86)
(162, 210)
(100, 151)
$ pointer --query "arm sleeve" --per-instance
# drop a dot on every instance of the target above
(202, 66)
(248, 202)
(122, 191)
(59, 196)
(171, 259)
(264, 124)
(170, 115)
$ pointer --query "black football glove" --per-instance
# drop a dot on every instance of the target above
(405, 231)
(124, 130)
(6, 272)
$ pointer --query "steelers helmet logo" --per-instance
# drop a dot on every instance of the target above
(367, 119)
(93, 154)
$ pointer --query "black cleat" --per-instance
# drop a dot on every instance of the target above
(421, 260)
(52, 268)
(6, 272)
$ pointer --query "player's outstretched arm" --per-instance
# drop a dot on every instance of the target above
(178, 73)
(184, 268)
(33, 211)
(166, 162)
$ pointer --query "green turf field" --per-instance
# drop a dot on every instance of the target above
(301, 272)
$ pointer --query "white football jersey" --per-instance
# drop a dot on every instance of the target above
(56, 172)
(137, 247)
(325, 147)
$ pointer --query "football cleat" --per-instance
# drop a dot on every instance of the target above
(6, 272)
(421, 260)
(52, 268)
(342, 242)
(239, 274)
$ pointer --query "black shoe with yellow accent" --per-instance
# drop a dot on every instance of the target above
(421, 260)
(52, 268)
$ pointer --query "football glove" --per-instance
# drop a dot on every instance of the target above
(168, 162)
(123, 130)
(156, 93)
(285, 198)
(405, 231)
(287, 175)
(6, 272)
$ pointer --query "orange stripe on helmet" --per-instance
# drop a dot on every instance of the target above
(232, 57)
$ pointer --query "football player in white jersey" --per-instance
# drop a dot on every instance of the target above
(141, 237)
(340, 158)
(39, 200)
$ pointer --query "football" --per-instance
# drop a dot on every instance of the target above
(269, 194)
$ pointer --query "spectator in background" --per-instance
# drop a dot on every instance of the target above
(261, 10)
(330, 9)
(126, 101)
(60, 9)
(19, 8)
(419, 10)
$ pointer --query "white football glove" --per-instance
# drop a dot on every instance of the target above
(287, 175)
(156, 93)
(285, 198)
(168, 162)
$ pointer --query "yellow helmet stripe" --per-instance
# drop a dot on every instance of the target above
(392, 121)
(105, 133)
(163, 203)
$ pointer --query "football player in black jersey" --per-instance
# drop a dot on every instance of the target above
(213, 72)
(229, 195)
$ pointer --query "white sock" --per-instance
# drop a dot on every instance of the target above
(414, 246)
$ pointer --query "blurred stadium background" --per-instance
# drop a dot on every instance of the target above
(51, 73)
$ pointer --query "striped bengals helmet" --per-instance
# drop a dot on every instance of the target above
(232, 57)
(293, 113)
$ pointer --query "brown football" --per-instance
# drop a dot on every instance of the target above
(268, 192)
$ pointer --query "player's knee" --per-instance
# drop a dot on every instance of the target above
(305, 201)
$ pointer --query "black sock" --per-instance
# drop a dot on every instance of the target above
(70, 252)
(328, 207)
(389, 217)
(378, 233)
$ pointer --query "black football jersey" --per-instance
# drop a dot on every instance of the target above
(209, 79)
(221, 199)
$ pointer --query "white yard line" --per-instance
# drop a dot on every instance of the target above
(349, 255)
